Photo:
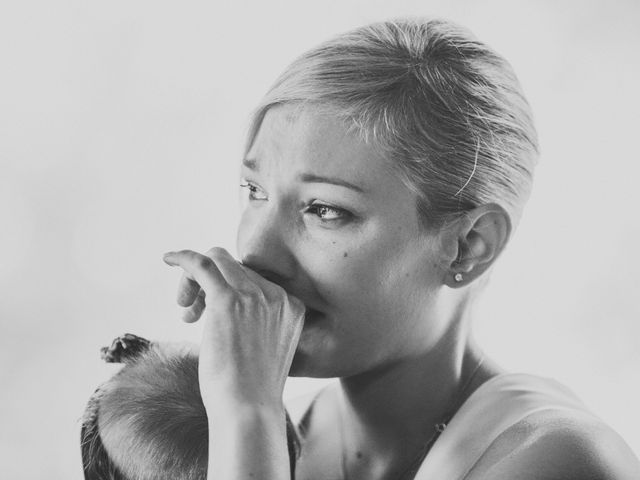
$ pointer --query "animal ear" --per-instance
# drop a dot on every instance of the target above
(125, 349)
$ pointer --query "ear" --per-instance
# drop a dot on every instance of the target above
(476, 239)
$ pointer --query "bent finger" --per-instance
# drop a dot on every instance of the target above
(188, 290)
(200, 269)
(233, 271)
(193, 312)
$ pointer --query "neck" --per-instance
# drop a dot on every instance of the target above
(390, 412)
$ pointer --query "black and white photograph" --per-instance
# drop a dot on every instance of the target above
(320, 240)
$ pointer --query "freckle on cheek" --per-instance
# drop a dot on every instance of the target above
(345, 254)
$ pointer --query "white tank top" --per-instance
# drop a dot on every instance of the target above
(491, 409)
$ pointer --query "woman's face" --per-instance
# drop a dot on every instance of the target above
(327, 219)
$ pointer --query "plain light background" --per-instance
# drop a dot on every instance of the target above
(121, 128)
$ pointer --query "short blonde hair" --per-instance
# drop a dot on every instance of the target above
(445, 108)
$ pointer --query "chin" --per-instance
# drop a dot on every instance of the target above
(321, 361)
(311, 360)
(305, 366)
(315, 356)
(319, 354)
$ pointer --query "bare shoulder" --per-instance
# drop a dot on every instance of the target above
(558, 445)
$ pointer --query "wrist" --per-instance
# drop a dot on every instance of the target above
(223, 411)
(248, 440)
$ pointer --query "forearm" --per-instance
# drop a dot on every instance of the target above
(248, 442)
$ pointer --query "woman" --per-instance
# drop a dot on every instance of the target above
(385, 171)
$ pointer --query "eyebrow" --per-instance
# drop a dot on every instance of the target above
(252, 164)
(312, 178)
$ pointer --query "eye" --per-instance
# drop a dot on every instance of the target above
(255, 192)
(327, 213)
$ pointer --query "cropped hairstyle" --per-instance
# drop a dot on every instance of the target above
(148, 422)
(443, 107)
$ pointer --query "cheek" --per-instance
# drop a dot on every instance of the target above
(243, 229)
(353, 278)
(382, 278)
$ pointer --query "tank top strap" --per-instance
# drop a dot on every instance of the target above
(492, 408)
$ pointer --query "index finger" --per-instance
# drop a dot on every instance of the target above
(198, 268)
(233, 271)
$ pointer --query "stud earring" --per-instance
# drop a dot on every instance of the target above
(457, 277)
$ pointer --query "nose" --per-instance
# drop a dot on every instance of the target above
(263, 246)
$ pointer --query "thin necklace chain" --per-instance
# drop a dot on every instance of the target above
(412, 469)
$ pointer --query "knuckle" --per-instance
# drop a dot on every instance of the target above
(190, 316)
(269, 288)
(205, 263)
(296, 304)
(188, 282)
(279, 295)
(184, 300)
(255, 295)
(216, 252)
(187, 296)
(238, 301)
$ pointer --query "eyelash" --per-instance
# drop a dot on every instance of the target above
(252, 190)
(314, 208)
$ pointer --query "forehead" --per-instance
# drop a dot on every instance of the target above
(297, 139)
